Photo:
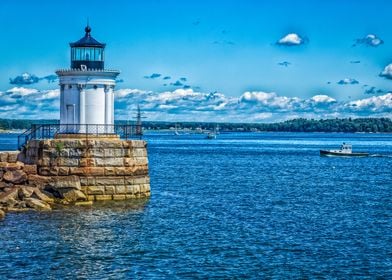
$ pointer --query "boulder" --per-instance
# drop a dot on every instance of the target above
(3, 185)
(72, 195)
(24, 191)
(9, 197)
(14, 166)
(41, 196)
(2, 214)
(37, 204)
(15, 176)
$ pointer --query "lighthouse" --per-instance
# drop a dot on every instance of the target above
(86, 88)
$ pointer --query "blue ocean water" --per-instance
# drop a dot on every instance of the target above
(247, 205)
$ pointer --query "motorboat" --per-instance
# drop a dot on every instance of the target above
(344, 151)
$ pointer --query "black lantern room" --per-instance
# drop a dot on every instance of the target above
(87, 51)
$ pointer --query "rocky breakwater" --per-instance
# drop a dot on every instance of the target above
(68, 171)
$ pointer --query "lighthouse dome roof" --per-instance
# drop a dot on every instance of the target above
(87, 40)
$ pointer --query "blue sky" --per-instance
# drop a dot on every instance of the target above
(274, 50)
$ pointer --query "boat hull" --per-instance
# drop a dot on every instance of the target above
(325, 153)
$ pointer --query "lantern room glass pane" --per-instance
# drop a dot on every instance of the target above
(87, 54)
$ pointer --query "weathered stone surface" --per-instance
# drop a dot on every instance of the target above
(3, 156)
(39, 180)
(30, 169)
(9, 197)
(13, 156)
(73, 195)
(121, 171)
(41, 196)
(84, 203)
(15, 177)
(119, 197)
(109, 181)
(135, 144)
(137, 180)
(2, 214)
(141, 160)
(114, 144)
(94, 171)
(106, 162)
(133, 189)
(14, 166)
(144, 188)
(77, 171)
(37, 204)
(110, 189)
(76, 153)
(3, 185)
(49, 171)
(129, 162)
(110, 171)
(24, 191)
(114, 153)
(103, 197)
(92, 190)
(96, 152)
(68, 162)
(63, 171)
(139, 152)
(87, 162)
(121, 189)
(65, 182)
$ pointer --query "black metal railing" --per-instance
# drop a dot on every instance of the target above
(49, 131)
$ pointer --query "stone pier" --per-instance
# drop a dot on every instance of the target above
(74, 169)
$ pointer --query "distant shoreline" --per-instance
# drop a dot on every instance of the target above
(347, 125)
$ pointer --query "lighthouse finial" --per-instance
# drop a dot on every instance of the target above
(88, 28)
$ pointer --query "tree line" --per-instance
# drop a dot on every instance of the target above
(369, 125)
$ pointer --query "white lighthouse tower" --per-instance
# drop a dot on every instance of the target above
(86, 95)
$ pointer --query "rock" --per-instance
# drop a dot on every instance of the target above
(3, 185)
(83, 203)
(65, 182)
(39, 181)
(14, 166)
(41, 196)
(16, 176)
(37, 204)
(13, 156)
(9, 197)
(30, 169)
(24, 192)
(4, 156)
(2, 214)
(20, 205)
(73, 195)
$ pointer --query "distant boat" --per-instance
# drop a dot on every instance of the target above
(176, 130)
(211, 135)
(344, 151)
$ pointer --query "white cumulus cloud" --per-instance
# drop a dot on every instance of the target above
(370, 40)
(191, 105)
(291, 39)
(387, 72)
